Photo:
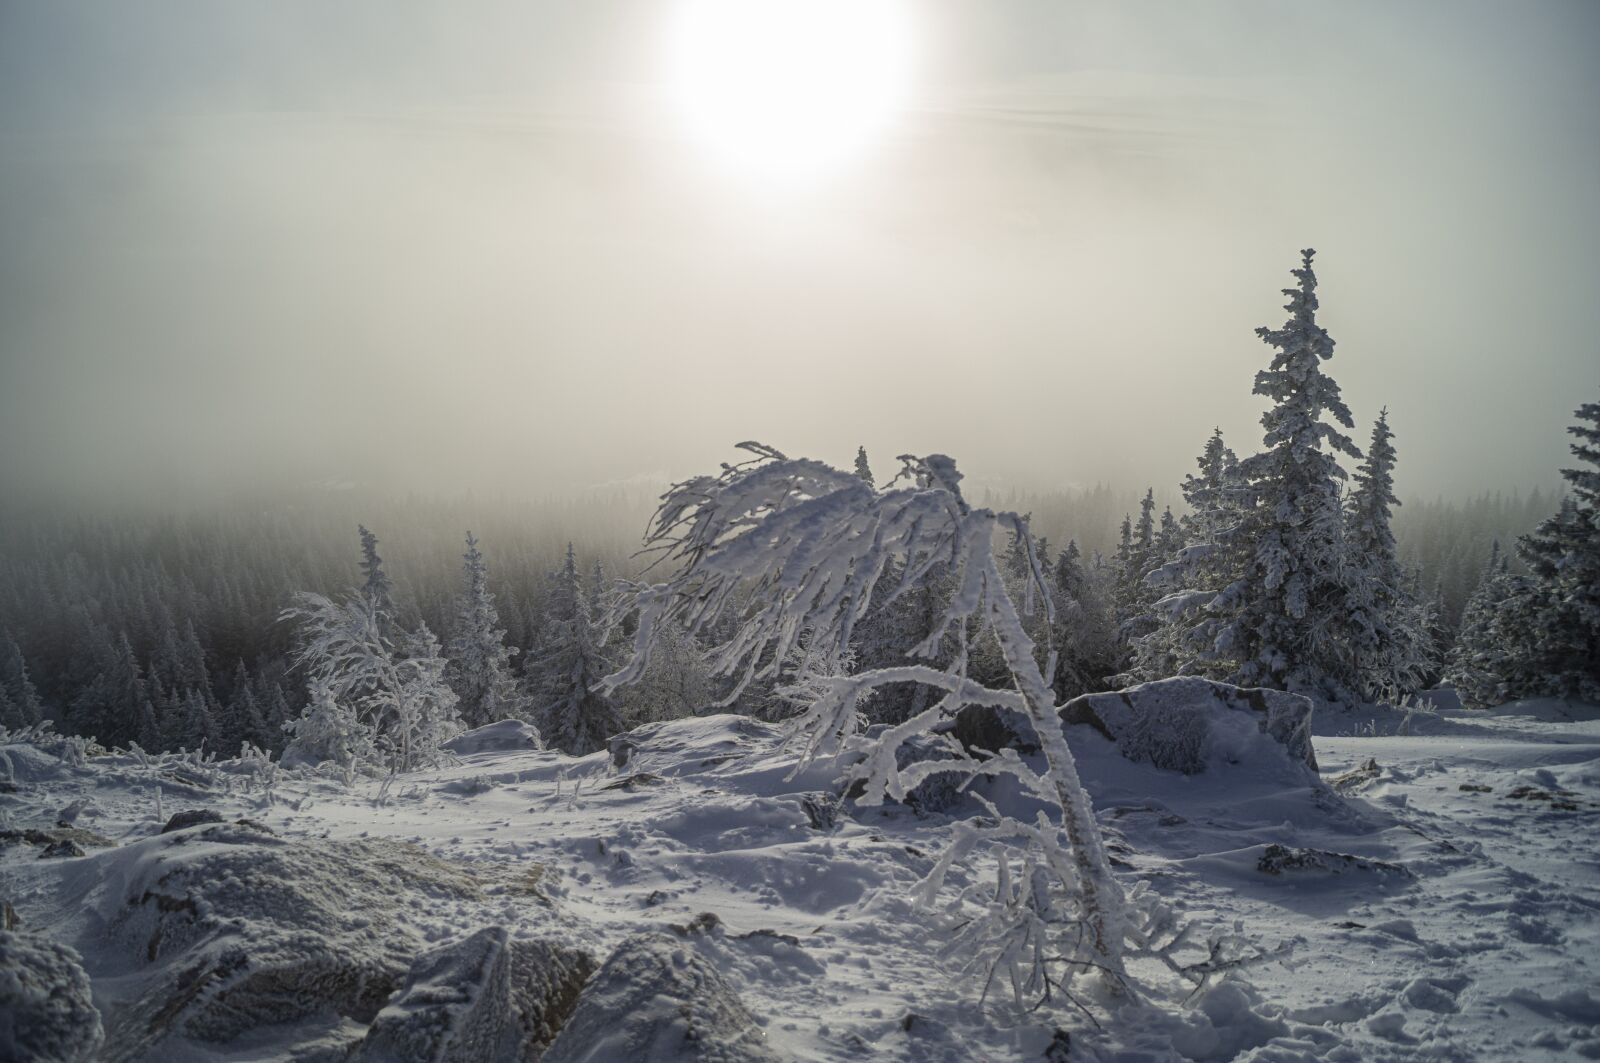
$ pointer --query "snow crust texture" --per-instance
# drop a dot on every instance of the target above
(47, 1012)
(251, 929)
(1435, 881)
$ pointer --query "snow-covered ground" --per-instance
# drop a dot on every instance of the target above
(1441, 888)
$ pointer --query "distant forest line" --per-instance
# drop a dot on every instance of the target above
(198, 593)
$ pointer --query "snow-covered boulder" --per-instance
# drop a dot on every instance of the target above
(677, 747)
(484, 999)
(47, 1014)
(502, 736)
(241, 928)
(49, 837)
(192, 817)
(658, 999)
(1188, 724)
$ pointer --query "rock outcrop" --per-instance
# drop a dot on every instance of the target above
(502, 736)
(658, 999)
(484, 999)
(192, 817)
(1187, 724)
(251, 929)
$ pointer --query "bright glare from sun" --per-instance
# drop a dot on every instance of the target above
(785, 90)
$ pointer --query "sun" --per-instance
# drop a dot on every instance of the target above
(786, 90)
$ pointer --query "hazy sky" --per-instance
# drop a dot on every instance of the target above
(475, 245)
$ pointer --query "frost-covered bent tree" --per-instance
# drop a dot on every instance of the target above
(398, 695)
(783, 552)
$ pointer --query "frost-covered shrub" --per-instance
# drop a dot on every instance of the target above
(937, 793)
(329, 732)
(371, 699)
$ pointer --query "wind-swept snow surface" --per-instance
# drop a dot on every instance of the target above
(1440, 890)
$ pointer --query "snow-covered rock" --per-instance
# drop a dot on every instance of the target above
(658, 999)
(1189, 724)
(502, 736)
(680, 746)
(47, 1013)
(192, 817)
(1491, 915)
(50, 837)
(484, 999)
(248, 928)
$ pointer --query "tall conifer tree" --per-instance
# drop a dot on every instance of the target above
(572, 715)
(480, 661)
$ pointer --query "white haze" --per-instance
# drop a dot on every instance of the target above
(471, 247)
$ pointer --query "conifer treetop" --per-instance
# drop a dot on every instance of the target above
(1294, 381)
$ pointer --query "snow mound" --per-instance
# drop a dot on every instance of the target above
(684, 746)
(502, 736)
(243, 928)
(47, 1012)
(658, 999)
(1192, 725)
(1228, 1021)
(28, 762)
(484, 999)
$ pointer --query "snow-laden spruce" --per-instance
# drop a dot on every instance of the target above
(863, 466)
(1560, 655)
(1538, 635)
(782, 553)
(1182, 639)
(1285, 614)
(376, 587)
(1391, 647)
(20, 705)
(572, 714)
(480, 660)
(1477, 659)
(1266, 600)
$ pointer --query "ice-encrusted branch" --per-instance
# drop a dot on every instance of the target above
(777, 554)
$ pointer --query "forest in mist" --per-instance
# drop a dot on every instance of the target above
(99, 613)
